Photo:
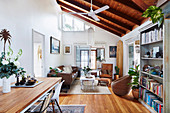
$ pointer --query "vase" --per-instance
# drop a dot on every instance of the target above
(6, 85)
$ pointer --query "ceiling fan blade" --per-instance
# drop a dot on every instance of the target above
(101, 9)
(77, 13)
(95, 17)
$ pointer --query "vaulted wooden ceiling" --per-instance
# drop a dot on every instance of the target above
(122, 17)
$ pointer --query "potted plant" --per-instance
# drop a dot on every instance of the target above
(86, 70)
(155, 13)
(134, 73)
(116, 75)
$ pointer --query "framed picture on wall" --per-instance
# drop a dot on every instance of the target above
(112, 51)
(67, 49)
(54, 45)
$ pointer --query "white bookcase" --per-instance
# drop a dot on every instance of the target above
(151, 83)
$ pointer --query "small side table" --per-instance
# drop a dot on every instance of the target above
(104, 80)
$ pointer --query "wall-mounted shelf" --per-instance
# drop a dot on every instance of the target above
(152, 42)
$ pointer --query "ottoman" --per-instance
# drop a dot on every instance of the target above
(104, 80)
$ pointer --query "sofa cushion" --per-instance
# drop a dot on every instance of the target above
(67, 69)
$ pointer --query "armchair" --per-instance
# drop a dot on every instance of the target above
(106, 71)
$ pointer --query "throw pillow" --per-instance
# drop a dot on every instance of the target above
(59, 70)
(67, 69)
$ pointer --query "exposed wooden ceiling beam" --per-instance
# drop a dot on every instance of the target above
(92, 22)
(100, 14)
(140, 4)
(130, 4)
(101, 19)
(116, 12)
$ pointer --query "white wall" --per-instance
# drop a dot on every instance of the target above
(127, 39)
(20, 17)
(100, 35)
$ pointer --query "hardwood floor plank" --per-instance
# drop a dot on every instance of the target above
(105, 103)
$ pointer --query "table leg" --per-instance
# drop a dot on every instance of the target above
(93, 84)
(81, 84)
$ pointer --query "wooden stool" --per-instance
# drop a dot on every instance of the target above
(104, 80)
(94, 73)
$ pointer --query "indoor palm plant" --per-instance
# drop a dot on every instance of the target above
(134, 73)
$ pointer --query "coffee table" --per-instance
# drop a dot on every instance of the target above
(89, 78)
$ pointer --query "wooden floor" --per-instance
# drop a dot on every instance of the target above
(105, 103)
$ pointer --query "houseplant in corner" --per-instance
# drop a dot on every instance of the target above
(134, 73)
(116, 75)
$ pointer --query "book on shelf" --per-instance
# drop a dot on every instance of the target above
(152, 85)
(152, 36)
(152, 100)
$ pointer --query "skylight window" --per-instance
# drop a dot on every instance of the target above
(72, 24)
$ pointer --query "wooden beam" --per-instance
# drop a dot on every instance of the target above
(116, 12)
(100, 14)
(130, 4)
(92, 22)
(101, 19)
(140, 4)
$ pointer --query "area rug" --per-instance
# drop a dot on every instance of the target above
(87, 89)
(65, 109)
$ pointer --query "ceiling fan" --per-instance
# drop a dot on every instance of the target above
(93, 13)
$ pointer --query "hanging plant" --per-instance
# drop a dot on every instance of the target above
(155, 13)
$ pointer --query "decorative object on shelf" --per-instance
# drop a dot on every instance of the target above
(86, 70)
(134, 73)
(158, 55)
(112, 51)
(151, 53)
(54, 45)
(155, 13)
(67, 49)
(155, 50)
(116, 75)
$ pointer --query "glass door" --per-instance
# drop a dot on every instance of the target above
(131, 56)
(84, 58)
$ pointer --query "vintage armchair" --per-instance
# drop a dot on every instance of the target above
(106, 71)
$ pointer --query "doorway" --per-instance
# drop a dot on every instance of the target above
(38, 54)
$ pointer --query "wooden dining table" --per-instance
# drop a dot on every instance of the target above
(21, 99)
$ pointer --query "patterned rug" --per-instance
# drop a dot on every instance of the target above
(87, 88)
(65, 109)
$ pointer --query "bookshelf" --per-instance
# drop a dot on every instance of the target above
(151, 68)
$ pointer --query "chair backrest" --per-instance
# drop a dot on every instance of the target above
(108, 68)
(57, 91)
(46, 103)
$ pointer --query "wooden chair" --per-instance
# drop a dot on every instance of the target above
(106, 71)
(44, 105)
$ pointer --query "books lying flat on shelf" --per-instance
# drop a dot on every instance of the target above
(151, 100)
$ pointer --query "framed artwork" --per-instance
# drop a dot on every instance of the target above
(112, 51)
(67, 49)
(54, 45)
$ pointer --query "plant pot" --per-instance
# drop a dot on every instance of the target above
(116, 77)
(135, 93)
(6, 85)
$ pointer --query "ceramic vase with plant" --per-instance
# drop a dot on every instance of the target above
(134, 73)
(8, 64)
(86, 70)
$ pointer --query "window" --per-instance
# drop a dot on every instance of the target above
(72, 24)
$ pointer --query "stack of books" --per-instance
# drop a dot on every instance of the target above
(151, 100)
(152, 85)
(152, 36)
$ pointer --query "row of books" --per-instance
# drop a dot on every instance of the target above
(152, 36)
(151, 100)
(152, 85)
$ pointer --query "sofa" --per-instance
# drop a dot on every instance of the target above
(69, 77)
